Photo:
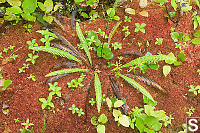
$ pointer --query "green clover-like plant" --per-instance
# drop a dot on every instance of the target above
(54, 89)
(140, 27)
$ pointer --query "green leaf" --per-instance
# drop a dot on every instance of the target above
(14, 10)
(102, 118)
(41, 6)
(154, 66)
(78, 1)
(97, 86)
(140, 124)
(56, 51)
(137, 86)
(65, 71)
(49, 19)
(187, 38)
(174, 5)
(197, 33)
(14, 2)
(195, 41)
(101, 129)
(28, 17)
(6, 83)
(166, 70)
(197, 2)
(182, 57)
(118, 103)
(84, 15)
(170, 58)
(48, 4)
(117, 18)
(94, 121)
(83, 41)
(29, 6)
(110, 12)
(109, 103)
(2, 1)
(124, 120)
(116, 114)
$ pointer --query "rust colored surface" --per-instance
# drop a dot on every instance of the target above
(23, 95)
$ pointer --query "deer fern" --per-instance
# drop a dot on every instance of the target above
(65, 71)
(56, 51)
(83, 42)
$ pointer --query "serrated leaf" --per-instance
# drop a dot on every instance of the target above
(65, 71)
(29, 6)
(14, 2)
(137, 86)
(83, 42)
(124, 120)
(166, 70)
(118, 103)
(97, 86)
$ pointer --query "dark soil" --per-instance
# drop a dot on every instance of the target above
(23, 95)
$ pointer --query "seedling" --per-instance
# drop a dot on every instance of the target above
(159, 41)
(48, 36)
(47, 103)
(76, 110)
(127, 32)
(32, 58)
(16, 120)
(76, 83)
(92, 101)
(198, 71)
(54, 89)
(27, 125)
(13, 56)
(22, 69)
(117, 45)
(191, 111)
(140, 27)
(127, 19)
(99, 123)
(5, 50)
(195, 90)
(31, 77)
(28, 27)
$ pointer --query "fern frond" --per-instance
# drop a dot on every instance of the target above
(97, 86)
(148, 59)
(56, 51)
(137, 86)
(114, 29)
(65, 71)
(83, 42)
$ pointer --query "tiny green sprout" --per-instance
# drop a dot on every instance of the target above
(32, 58)
(27, 124)
(125, 28)
(5, 50)
(195, 90)
(1, 76)
(22, 69)
(127, 19)
(117, 45)
(191, 111)
(103, 97)
(16, 120)
(11, 47)
(80, 112)
(13, 56)
(127, 33)
(54, 89)
(73, 109)
(28, 27)
(92, 101)
(159, 41)
(31, 77)
(1, 55)
(140, 27)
